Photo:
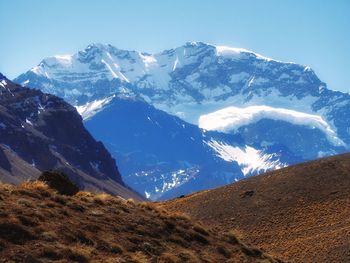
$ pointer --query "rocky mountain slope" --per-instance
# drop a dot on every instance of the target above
(299, 213)
(161, 156)
(39, 132)
(39, 225)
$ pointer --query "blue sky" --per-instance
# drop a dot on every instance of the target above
(314, 33)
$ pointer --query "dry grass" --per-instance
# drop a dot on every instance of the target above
(39, 225)
(34, 185)
(300, 213)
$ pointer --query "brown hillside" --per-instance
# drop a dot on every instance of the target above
(40, 225)
(300, 213)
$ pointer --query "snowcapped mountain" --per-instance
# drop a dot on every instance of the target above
(161, 156)
(283, 107)
(190, 81)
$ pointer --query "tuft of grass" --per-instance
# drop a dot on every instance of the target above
(148, 206)
(234, 236)
(34, 185)
(130, 201)
(168, 258)
(181, 217)
(28, 221)
(25, 202)
(201, 230)
(85, 194)
(199, 238)
(139, 257)
(188, 256)
(224, 251)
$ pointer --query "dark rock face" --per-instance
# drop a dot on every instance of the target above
(40, 132)
(59, 182)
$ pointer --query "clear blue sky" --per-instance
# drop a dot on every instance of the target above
(310, 32)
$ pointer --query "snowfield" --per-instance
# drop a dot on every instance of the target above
(232, 118)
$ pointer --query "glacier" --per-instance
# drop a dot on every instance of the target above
(232, 118)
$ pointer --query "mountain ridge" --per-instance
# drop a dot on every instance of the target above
(190, 80)
(42, 132)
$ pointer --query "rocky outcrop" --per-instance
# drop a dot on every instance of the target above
(40, 132)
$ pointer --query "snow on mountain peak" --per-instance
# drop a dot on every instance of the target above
(91, 108)
(250, 159)
(131, 66)
(66, 59)
(232, 118)
(237, 53)
(194, 79)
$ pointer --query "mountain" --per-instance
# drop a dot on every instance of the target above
(191, 80)
(299, 213)
(281, 106)
(39, 225)
(42, 132)
(161, 156)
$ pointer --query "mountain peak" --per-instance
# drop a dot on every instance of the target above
(2, 77)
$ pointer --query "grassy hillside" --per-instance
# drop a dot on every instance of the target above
(39, 225)
(300, 213)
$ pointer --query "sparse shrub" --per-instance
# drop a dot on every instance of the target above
(2, 246)
(125, 209)
(199, 238)
(65, 213)
(76, 207)
(106, 247)
(149, 206)
(98, 201)
(130, 201)
(96, 212)
(178, 240)
(14, 233)
(51, 253)
(200, 230)
(34, 185)
(28, 192)
(83, 239)
(74, 256)
(24, 202)
(169, 225)
(60, 182)
(61, 199)
(50, 204)
(188, 256)
(48, 236)
(234, 236)
(224, 251)
(83, 195)
(254, 252)
(168, 258)
(181, 216)
(27, 221)
(103, 196)
(139, 257)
